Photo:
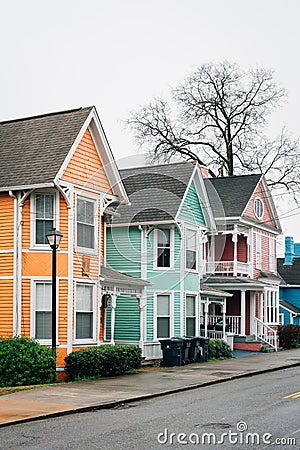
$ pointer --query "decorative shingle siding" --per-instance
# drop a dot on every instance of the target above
(191, 209)
(123, 248)
(249, 211)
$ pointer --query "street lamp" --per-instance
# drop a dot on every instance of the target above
(54, 236)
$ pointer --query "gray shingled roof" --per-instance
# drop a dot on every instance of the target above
(155, 192)
(289, 272)
(289, 306)
(33, 149)
(233, 194)
(113, 276)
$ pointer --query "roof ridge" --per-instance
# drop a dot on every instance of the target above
(54, 113)
(155, 165)
(235, 176)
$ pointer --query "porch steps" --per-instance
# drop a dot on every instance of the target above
(248, 343)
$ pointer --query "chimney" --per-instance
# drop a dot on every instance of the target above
(204, 171)
(289, 251)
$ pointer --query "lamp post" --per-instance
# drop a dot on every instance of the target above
(54, 237)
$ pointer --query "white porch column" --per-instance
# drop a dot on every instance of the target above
(206, 304)
(235, 240)
(252, 312)
(142, 306)
(223, 308)
(243, 312)
(113, 305)
(266, 301)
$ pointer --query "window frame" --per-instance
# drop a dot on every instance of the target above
(186, 249)
(94, 200)
(171, 314)
(196, 315)
(271, 308)
(259, 201)
(258, 248)
(155, 248)
(93, 339)
(34, 282)
(56, 218)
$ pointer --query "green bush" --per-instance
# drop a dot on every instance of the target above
(289, 336)
(24, 362)
(219, 349)
(102, 361)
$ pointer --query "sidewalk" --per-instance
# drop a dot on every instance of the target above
(60, 399)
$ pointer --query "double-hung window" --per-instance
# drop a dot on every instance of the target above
(163, 256)
(271, 307)
(86, 218)
(84, 311)
(191, 249)
(44, 216)
(190, 315)
(258, 251)
(163, 317)
(43, 311)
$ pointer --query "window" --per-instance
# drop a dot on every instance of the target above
(272, 254)
(190, 315)
(163, 256)
(84, 311)
(85, 223)
(191, 249)
(258, 208)
(258, 251)
(271, 307)
(44, 216)
(281, 319)
(163, 316)
(43, 311)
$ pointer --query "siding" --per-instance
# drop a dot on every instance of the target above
(123, 249)
(191, 209)
(7, 222)
(6, 264)
(6, 308)
(266, 218)
(149, 317)
(63, 311)
(85, 167)
(26, 307)
(127, 322)
(176, 314)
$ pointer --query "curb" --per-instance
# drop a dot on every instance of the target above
(114, 404)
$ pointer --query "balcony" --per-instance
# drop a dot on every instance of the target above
(229, 268)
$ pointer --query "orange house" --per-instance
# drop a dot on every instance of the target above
(57, 170)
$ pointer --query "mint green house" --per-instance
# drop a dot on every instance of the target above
(161, 238)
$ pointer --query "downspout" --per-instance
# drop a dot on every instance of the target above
(18, 205)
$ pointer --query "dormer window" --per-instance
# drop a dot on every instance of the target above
(258, 208)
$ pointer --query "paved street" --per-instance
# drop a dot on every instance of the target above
(257, 403)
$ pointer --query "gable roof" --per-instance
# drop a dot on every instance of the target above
(33, 149)
(155, 192)
(291, 308)
(233, 194)
(289, 272)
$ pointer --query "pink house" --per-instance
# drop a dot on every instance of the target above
(241, 260)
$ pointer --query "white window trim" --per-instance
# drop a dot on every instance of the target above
(34, 282)
(258, 239)
(155, 241)
(155, 295)
(95, 200)
(263, 208)
(197, 249)
(33, 244)
(281, 318)
(94, 339)
(192, 294)
(272, 303)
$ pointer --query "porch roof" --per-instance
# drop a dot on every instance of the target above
(289, 306)
(211, 292)
(235, 283)
(113, 276)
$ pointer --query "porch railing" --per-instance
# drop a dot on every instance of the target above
(234, 322)
(232, 268)
(265, 333)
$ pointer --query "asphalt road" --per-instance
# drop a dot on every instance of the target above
(239, 414)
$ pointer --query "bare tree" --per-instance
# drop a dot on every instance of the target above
(218, 117)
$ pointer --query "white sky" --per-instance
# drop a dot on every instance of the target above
(119, 54)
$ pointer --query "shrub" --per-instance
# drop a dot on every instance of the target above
(105, 360)
(219, 349)
(289, 336)
(24, 362)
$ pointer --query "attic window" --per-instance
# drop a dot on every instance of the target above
(258, 208)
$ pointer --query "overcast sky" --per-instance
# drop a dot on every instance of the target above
(119, 54)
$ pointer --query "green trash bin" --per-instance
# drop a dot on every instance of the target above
(172, 352)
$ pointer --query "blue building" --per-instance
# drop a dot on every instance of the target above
(289, 291)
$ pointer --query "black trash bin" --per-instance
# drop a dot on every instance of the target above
(204, 342)
(195, 349)
(172, 352)
(186, 349)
